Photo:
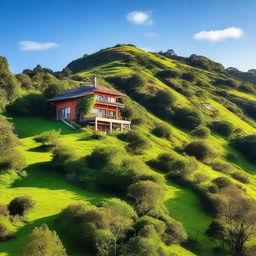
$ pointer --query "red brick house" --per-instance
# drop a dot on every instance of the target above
(106, 113)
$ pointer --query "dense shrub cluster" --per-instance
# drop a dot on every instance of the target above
(224, 128)
(200, 150)
(168, 73)
(247, 146)
(162, 131)
(201, 132)
(5, 233)
(137, 144)
(189, 76)
(187, 118)
(20, 205)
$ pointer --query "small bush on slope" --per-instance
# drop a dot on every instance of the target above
(224, 128)
(20, 205)
(5, 233)
(49, 138)
(200, 150)
(162, 131)
(43, 242)
(201, 132)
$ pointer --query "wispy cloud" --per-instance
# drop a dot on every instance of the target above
(151, 34)
(219, 35)
(140, 18)
(36, 46)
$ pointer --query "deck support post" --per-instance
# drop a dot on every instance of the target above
(122, 127)
(129, 127)
(111, 126)
(96, 124)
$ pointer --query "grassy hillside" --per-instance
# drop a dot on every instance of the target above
(212, 96)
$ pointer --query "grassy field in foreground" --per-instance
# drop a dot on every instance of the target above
(52, 192)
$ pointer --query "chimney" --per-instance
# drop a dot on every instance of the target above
(94, 81)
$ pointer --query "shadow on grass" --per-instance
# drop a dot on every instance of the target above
(41, 149)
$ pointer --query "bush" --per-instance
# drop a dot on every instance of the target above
(222, 182)
(106, 157)
(86, 104)
(20, 205)
(136, 121)
(201, 132)
(240, 177)
(247, 146)
(221, 166)
(5, 233)
(200, 150)
(148, 195)
(49, 138)
(137, 144)
(98, 136)
(4, 210)
(168, 73)
(162, 131)
(187, 118)
(44, 242)
(189, 76)
(224, 128)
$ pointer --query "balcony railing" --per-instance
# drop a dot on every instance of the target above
(106, 116)
(119, 104)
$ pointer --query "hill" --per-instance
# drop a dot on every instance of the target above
(205, 162)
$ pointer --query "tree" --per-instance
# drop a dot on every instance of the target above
(86, 103)
(43, 242)
(162, 131)
(20, 205)
(147, 194)
(103, 242)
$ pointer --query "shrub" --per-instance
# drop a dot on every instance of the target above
(162, 131)
(200, 150)
(222, 182)
(136, 121)
(240, 177)
(20, 205)
(98, 135)
(4, 210)
(126, 112)
(105, 157)
(49, 138)
(193, 245)
(5, 233)
(247, 146)
(137, 144)
(187, 118)
(44, 242)
(224, 128)
(168, 73)
(201, 132)
(221, 166)
(147, 194)
(189, 76)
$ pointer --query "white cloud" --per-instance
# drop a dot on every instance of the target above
(36, 46)
(140, 18)
(219, 35)
(151, 34)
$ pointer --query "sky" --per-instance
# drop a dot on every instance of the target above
(52, 33)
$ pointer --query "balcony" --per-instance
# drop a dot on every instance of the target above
(110, 103)
(92, 115)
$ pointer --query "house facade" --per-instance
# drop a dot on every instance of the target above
(105, 115)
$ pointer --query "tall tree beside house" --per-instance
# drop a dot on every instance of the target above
(86, 104)
(9, 86)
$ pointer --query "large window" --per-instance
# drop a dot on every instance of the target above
(64, 113)
(105, 98)
(104, 112)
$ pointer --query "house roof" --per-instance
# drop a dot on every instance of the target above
(83, 90)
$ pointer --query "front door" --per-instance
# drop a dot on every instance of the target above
(64, 113)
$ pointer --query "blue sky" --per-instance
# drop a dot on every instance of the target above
(54, 32)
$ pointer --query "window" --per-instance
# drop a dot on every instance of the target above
(64, 113)
(105, 98)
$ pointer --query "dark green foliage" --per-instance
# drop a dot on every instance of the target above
(226, 82)
(240, 177)
(86, 103)
(193, 245)
(249, 76)
(10, 158)
(32, 104)
(221, 166)
(222, 182)
(224, 128)
(137, 144)
(201, 132)
(168, 73)
(247, 88)
(43, 242)
(162, 102)
(105, 157)
(187, 118)
(49, 138)
(25, 81)
(200, 150)
(126, 112)
(136, 121)
(9, 86)
(189, 76)
(98, 136)
(147, 194)
(162, 131)
(247, 146)
(20, 205)
(53, 90)
(5, 233)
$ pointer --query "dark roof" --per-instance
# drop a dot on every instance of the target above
(83, 90)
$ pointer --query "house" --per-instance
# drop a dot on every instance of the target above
(106, 114)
